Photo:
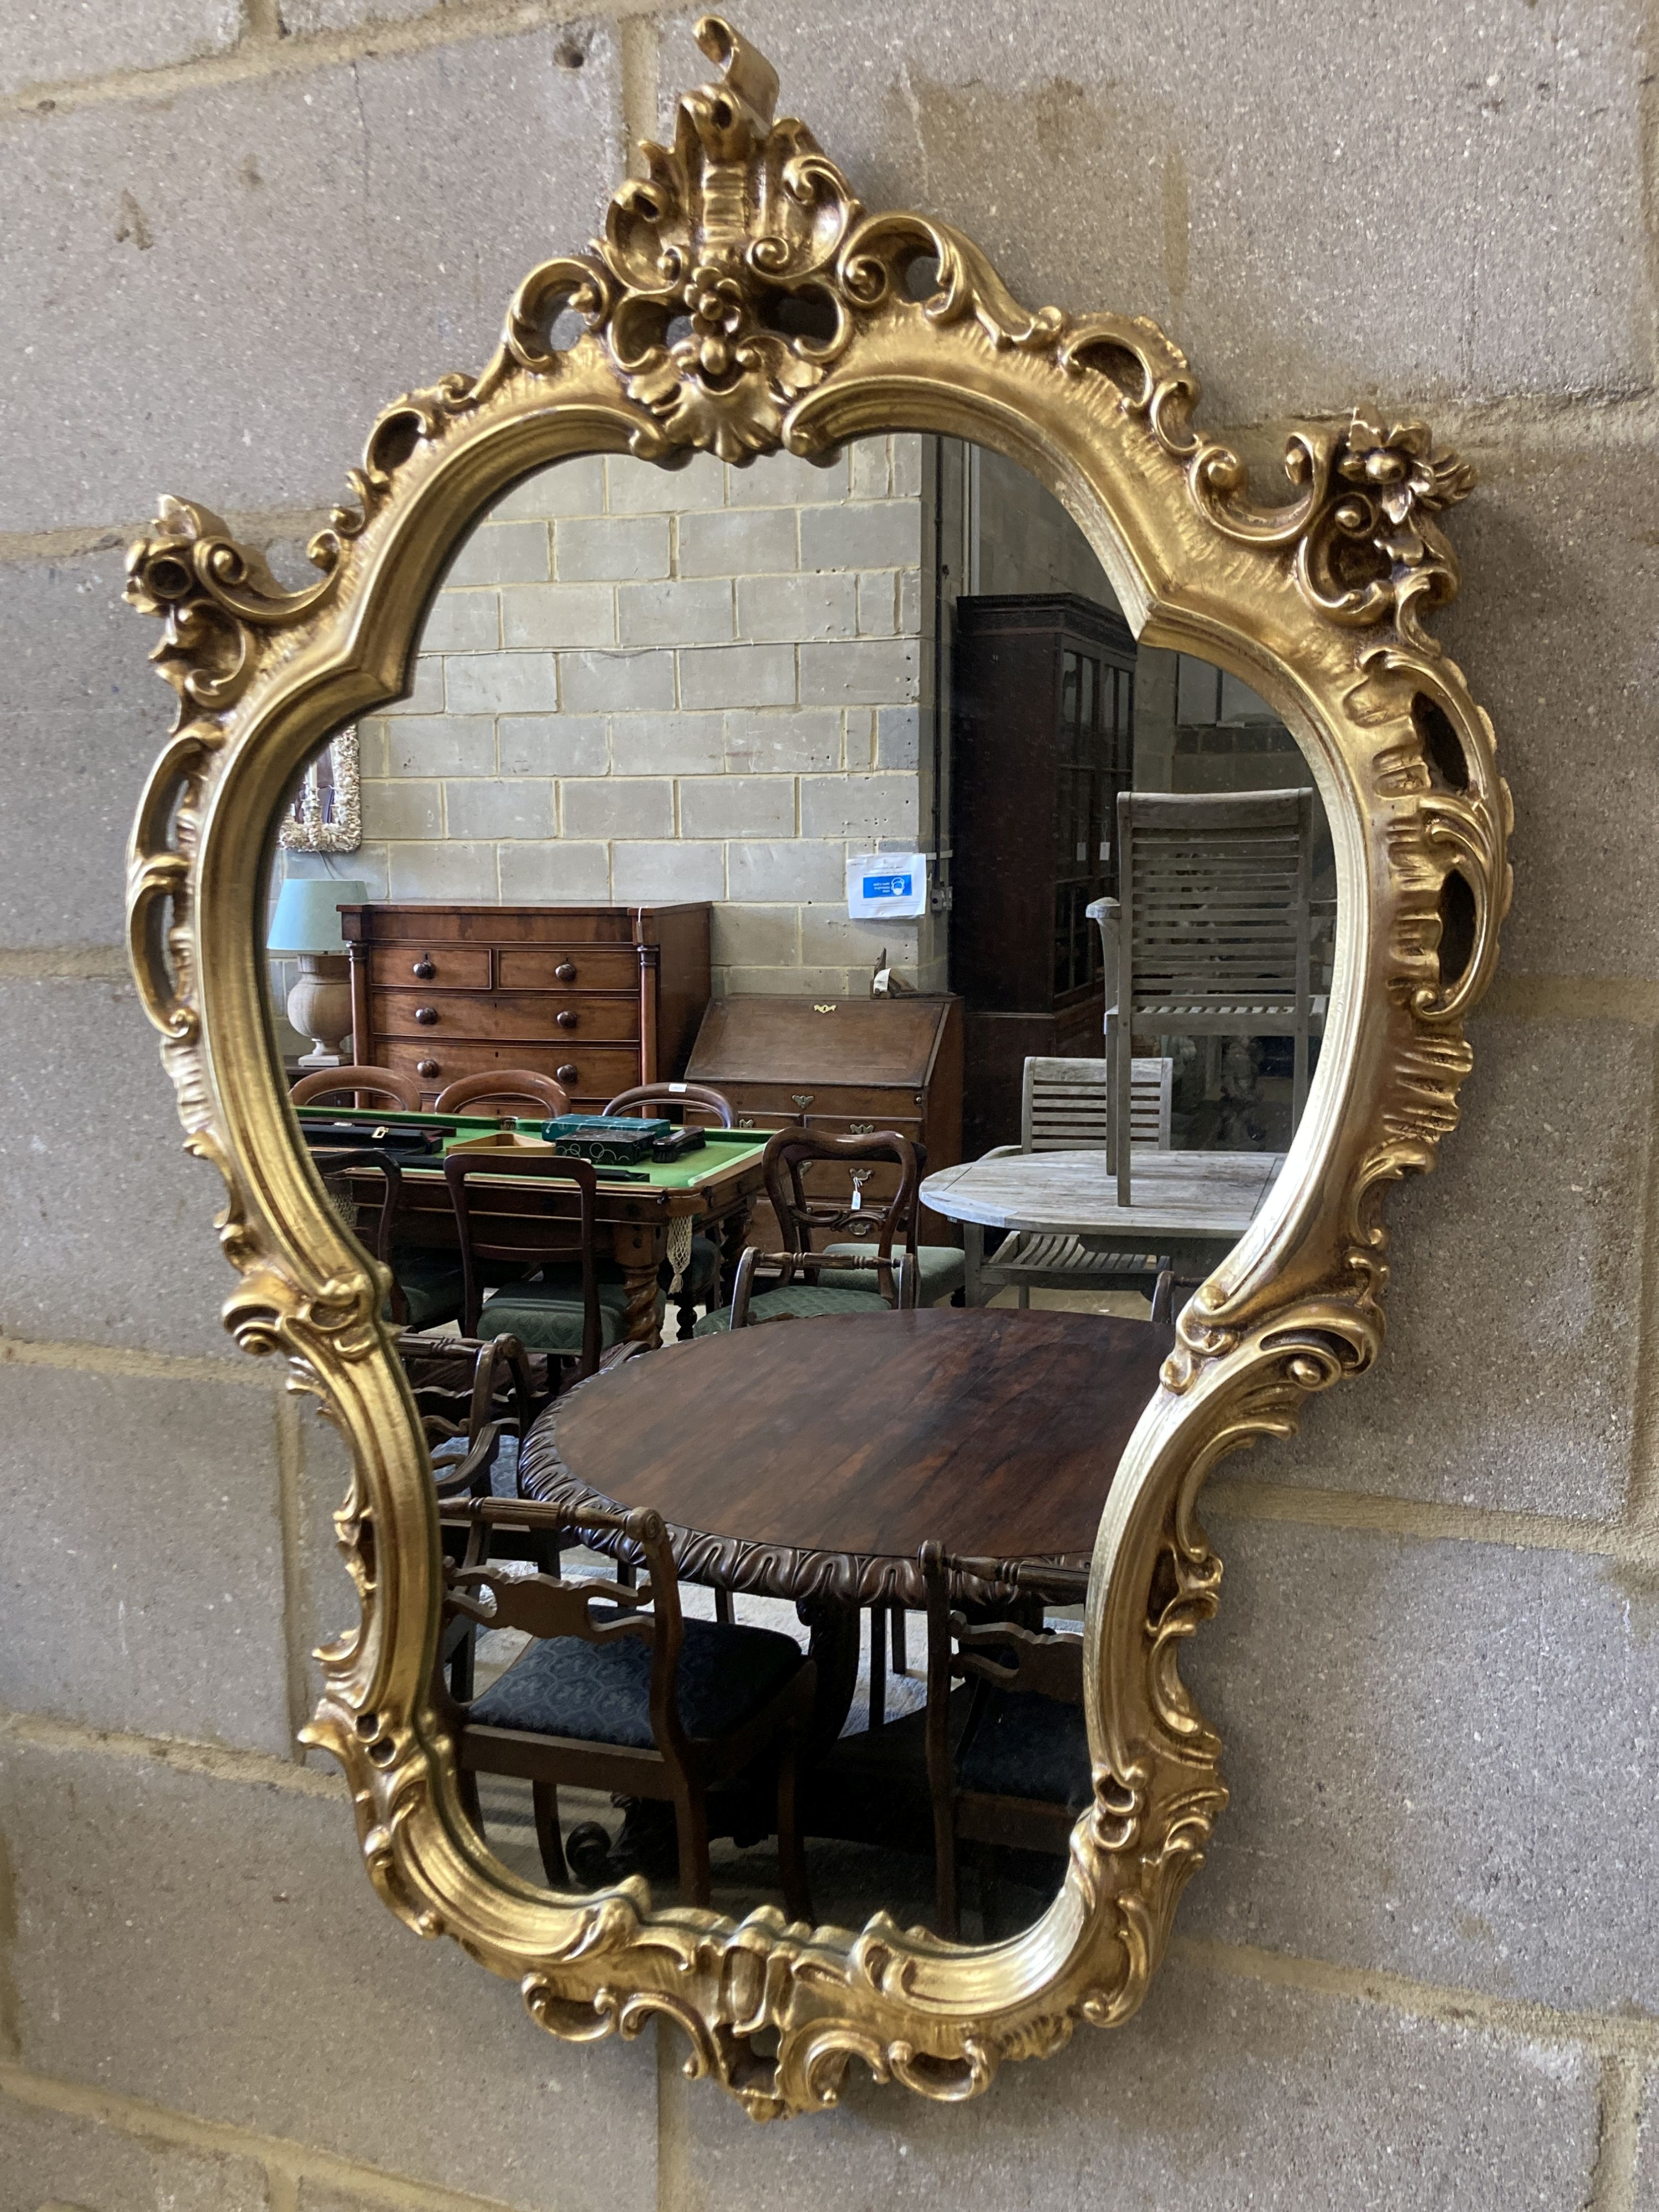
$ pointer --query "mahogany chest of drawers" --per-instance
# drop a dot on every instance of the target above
(599, 997)
(843, 1068)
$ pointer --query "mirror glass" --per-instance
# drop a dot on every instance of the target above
(842, 796)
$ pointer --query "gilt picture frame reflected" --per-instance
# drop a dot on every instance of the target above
(326, 815)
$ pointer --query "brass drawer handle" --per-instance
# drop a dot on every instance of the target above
(565, 1018)
(426, 1015)
(861, 1129)
(567, 1073)
(428, 1067)
(565, 972)
(803, 1098)
(424, 969)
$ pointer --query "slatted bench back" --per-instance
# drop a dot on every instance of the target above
(1064, 1107)
(1215, 897)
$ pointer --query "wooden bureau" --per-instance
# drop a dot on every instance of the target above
(599, 997)
(842, 1067)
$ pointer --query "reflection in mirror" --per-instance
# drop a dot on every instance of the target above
(795, 860)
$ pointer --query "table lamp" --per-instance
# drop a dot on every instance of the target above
(307, 926)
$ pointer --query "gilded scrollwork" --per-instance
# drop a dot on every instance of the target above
(739, 300)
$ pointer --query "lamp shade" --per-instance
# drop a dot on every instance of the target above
(306, 919)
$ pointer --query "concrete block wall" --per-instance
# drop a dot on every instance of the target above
(1419, 1967)
(703, 684)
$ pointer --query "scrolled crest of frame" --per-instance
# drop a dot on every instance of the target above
(740, 300)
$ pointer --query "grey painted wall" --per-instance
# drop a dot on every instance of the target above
(1421, 1967)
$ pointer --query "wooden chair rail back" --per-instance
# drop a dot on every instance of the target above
(1171, 1292)
(331, 1162)
(1032, 1661)
(898, 1277)
(546, 1606)
(468, 1381)
(646, 1095)
(373, 1082)
(801, 1218)
(502, 1086)
(547, 1238)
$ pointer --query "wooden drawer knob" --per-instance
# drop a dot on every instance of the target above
(566, 971)
(426, 1015)
(424, 969)
(567, 1073)
(565, 1018)
(428, 1067)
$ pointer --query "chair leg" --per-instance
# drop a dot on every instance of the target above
(687, 1311)
(990, 1893)
(723, 1605)
(469, 1805)
(1111, 1093)
(545, 1797)
(944, 1871)
(691, 1830)
(878, 1669)
(792, 1858)
(460, 1669)
(1022, 1296)
(900, 1658)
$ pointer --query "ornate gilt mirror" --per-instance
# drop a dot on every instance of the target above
(782, 570)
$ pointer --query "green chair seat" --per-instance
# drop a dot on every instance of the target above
(941, 1269)
(432, 1288)
(547, 1316)
(801, 1302)
(702, 1271)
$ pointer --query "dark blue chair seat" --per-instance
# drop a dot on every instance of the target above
(1030, 1747)
(601, 1692)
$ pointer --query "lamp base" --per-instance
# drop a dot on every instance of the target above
(319, 1007)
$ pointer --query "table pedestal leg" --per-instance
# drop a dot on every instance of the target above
(638, 1251)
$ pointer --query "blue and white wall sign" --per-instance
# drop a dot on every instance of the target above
(886, 886)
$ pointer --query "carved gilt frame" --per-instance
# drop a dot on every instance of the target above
(692, 308)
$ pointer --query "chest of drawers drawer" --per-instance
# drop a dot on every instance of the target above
(567, 968)
(593, 1075)
(438, 967)
(536, 1016)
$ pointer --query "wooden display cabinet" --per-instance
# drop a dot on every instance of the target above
(1043, 741)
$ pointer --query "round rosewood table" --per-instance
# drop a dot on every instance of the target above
(811, 1459)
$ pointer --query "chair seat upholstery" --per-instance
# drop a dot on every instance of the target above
(941, 1269)
(800, 1302)
(1030, 1747)
(601, 1692)
(432, 1287)
(701, 1269)
(547, 1315)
